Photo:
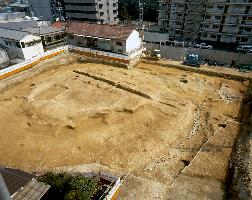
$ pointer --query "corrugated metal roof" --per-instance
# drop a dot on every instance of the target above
(19, 25)
(12, 34)
(15, 179)
(98, 30)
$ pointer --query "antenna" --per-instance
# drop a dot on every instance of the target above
(141, 13)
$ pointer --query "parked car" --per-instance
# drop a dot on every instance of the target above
(192, 60)
(244, 48)
(204, 46)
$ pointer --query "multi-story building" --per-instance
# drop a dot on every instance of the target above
(47, 9)
(214, 21)
(100, 11)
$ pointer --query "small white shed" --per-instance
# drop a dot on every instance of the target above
(20, 44)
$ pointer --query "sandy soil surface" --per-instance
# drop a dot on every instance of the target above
(61, 118)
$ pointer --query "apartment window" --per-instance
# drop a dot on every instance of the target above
(204, 35)
(243, 39)
(215, 26)
(100, 6)
(114, 11)
(213, 36)
(207, 17)
(114, 4)
(101, 13)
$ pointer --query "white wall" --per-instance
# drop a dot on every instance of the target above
(155, 36)
(32, 51)
(133, 42)
(3, 56)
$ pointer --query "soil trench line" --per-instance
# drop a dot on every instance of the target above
(203, 145)
(122, 87)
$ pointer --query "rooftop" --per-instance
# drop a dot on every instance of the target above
(15, 179)
(43, 30)
(21, 4)
(12, 34)
(19, 25)
(98, 30)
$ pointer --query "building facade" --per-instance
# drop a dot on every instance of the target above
(213, 21)
(99, 11)
(47, 9)
(115, 39)
(20, 45)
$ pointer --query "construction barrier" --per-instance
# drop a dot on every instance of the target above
(9, 71)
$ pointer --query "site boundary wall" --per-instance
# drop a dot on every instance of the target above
(178, 53)
(9, 71)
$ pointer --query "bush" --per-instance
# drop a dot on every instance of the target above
(67, 187)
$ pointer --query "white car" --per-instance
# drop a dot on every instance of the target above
(204, 46)
(244, 48)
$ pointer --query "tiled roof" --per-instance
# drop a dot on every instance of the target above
(98, 30)
(43, 30)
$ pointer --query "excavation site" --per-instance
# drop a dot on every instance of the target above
(172, 133)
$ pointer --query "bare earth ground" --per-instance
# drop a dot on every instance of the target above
(61, 118)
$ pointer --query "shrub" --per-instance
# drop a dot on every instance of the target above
(68, 187)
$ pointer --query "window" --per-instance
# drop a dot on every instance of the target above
(18, 45)
(118, 43)
(204, 35)
(100, 6)
(49, 39)
(213, 36)
(207, 17)
(243, 39)
(215, 26)
(101, 13)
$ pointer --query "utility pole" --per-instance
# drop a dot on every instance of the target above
(141, 13)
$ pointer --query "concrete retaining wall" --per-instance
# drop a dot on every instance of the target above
(177, 53)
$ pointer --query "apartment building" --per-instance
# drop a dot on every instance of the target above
(47, 9)
(99, 11)
(214, 21)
